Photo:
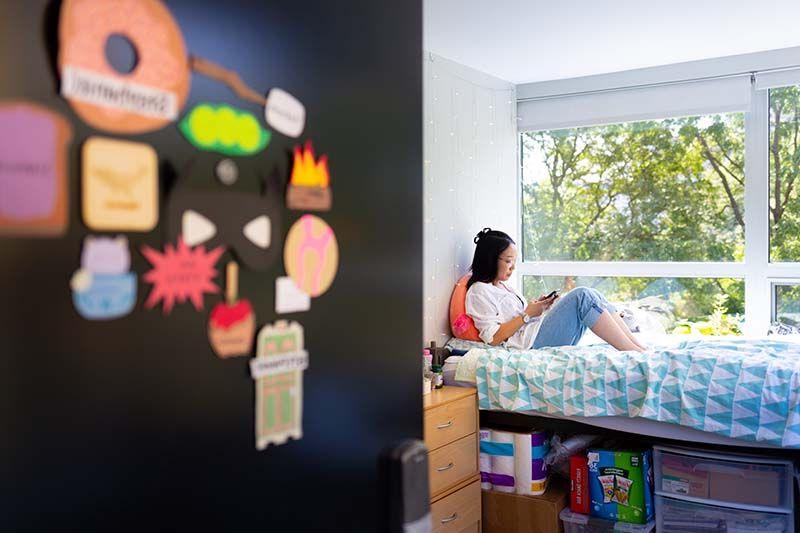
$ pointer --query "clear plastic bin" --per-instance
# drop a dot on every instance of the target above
(581, 523)
(679, 516)
(740, 480)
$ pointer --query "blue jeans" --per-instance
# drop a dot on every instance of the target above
(566, 322)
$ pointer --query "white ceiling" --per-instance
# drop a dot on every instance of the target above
(536, 40)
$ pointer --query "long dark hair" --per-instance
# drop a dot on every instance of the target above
(489, 245)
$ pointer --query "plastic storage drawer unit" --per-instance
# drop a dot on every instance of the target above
(754, 483)
(680, 516)
(581, 523)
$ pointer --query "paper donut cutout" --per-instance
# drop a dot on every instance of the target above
(152, 94)
(104, 288)
(34, 196)
(232, 323)
(311, 255)
(119, 185)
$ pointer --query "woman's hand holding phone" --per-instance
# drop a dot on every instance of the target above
(537, 307)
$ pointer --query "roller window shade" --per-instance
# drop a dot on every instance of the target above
(781, 78)
(646, 103)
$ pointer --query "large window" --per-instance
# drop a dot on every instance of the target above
(652, 211)
(784, 171)
(666, 190)
(704, 306)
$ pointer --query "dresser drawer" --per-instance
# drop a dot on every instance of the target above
(458, 512)
(449, 422)
(453, 463)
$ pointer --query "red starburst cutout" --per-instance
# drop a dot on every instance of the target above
(180, 274)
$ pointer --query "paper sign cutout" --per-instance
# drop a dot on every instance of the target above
(119, 185)
(180, 274)
(224, 129)
(103, 288)
(232, 324)
(289, 298)
(247, 224)
(146, 99)
(309, 185)
(285, 113)
(278, 371)
(34, 196)
(311, 255)
(197, 229)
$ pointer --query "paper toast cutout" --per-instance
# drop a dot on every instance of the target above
(34, 197)
(311, 255)
(179, 274)
(224, 129)
(284, 113)
(247, 224)
(309, 185)
(278, 373)
(103, 288)
(232, 323)
(146, 99)
(119, 185)
(289, 298)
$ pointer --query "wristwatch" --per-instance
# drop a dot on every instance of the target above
(526, 318)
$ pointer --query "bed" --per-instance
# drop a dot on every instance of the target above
(740, 392)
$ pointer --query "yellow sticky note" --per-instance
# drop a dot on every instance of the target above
(119, 184)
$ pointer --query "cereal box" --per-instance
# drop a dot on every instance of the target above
(621, 485)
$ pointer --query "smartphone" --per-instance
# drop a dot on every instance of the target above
(554, 293)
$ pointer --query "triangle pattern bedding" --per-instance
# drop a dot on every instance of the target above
(744, 389)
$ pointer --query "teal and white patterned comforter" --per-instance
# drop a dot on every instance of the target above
(744, 389)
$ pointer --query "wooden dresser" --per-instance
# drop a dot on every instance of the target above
(451, 435)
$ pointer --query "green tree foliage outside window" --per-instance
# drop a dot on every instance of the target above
(784, 169)
(660, 190)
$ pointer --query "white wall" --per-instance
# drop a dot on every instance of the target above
(470, 158)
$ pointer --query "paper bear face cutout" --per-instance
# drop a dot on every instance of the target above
(248, 223)
(106, 255)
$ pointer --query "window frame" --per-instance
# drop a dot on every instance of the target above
(759, 274)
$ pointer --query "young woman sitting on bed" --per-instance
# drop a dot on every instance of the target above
(502, 316)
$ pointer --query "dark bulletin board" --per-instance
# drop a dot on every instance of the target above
(133, 424)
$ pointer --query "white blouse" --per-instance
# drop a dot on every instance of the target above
(489, 306)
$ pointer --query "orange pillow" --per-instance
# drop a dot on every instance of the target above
(461, 323)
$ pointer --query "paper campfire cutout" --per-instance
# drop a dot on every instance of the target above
(309, 185)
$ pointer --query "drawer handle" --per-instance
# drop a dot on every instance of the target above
(444, 426)
(443, 468)
(449, 518)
